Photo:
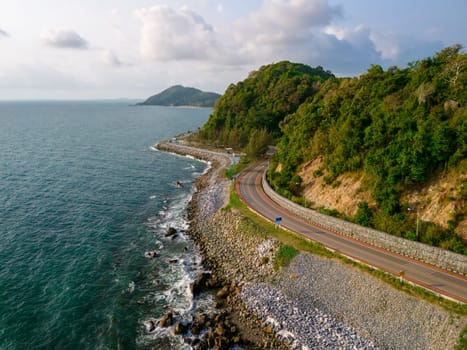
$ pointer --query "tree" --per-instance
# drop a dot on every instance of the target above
(364, 214)
(258, 143)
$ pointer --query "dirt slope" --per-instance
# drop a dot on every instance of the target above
(437, 201)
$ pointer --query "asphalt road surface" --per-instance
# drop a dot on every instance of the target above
(446, 283)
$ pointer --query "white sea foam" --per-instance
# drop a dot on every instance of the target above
(181, 296)
(174, 278)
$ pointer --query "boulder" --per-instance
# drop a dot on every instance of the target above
(151, 254)
(219, 330)
(223, 292)
(179, 328)
(170, 232)
(166, 320)
(200, 283)
(195, 328)
(149, 325)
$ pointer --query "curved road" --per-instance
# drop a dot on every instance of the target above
(448, 284)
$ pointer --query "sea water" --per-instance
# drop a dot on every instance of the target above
(83, 196)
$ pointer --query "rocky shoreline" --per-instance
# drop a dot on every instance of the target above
(315, 303)
(232, 325)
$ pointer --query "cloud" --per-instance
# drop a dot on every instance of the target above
(109, 58)
(296, 30)
(68, 39)
(347, 51)
(279, 23)
(400, 49)
(285, 30)
(306, 31)
(3, 33)
(167, 34)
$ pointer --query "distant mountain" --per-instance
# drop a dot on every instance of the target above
(182, 96)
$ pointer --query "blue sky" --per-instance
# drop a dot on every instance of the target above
(87, 49)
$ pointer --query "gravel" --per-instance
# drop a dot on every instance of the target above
(301, 328)
(391, 318)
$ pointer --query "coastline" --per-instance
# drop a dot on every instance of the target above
(313, 303)
(225, 276)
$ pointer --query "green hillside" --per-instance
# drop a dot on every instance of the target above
(398, 128)
(182, 96)
(261, 101)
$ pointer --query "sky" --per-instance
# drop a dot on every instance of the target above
(105, 49)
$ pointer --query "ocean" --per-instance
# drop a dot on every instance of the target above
(83, 197)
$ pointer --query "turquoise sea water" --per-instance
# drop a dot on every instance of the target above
(82, 197)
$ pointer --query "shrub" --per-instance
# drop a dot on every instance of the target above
(284, 255)
(364, 215)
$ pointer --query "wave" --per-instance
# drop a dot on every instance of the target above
(178, 264)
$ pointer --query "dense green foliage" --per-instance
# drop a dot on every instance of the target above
(237, 168)
(260, 102)
(182, 96)
(364, 214)
(397, 126)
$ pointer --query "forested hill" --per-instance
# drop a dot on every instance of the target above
(261, 101)
(182, 96)
(398, 131)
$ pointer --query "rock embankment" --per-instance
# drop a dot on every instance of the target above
(235, 256)
(234, 253)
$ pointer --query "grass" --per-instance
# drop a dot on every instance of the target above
(462, 342)
(293, 243)
(237, 168)
(284, 256)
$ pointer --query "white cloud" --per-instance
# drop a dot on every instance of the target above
(167, 34)
(114, 12)
(388, 48)
(398, 49)
(281, 22)
(64, 39)
(296, 30)
(283, 29)
(109, 58)
(350, 55)
(3, 33)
